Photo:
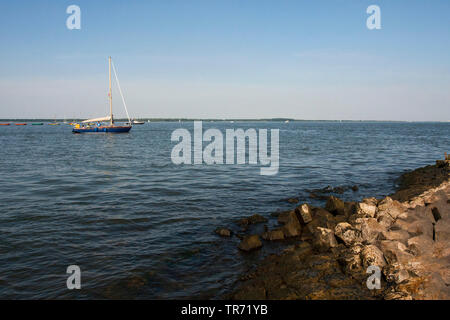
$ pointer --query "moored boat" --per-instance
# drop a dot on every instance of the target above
(20, 124)
(37, 124)
(4, 124)
(95, 125)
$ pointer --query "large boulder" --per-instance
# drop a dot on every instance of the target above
(324, 239)
(347, 233)
(305, 213)
(335, 205)
(292, 227)
(250, 242)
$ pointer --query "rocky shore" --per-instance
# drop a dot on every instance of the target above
(330, 250)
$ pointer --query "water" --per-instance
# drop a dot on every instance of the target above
(141, 227)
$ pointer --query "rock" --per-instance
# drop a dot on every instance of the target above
(256, 218)
(397, 296)
(292, 227)
(339, 190)
(305, 213)
(347, 233)
(340, 218)
(273, 235)
(399, 235)
(321, 218)
(335, 205)
(396, 273)
(351, 259)
(314, 195)
(370, 229)
(385, 220)
(442, 163)
(306, 235)
(324, 239)
(391, 207)
(223, 232)
(253, 292)
(395, 252)
(420, 245)
(249, 243)
(283, 217)
(292, 200)
(349, 208)
(355, 188)
(436, 214)
(277, 213)
(372, 256)
(367, 207)
(442, 230)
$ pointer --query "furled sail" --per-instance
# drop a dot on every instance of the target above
(108, 118)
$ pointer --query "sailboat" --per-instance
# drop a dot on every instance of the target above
(134, 121)
(94, 125)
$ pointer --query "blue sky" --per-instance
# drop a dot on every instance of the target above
(228, 59)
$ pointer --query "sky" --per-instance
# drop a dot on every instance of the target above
(227, 59)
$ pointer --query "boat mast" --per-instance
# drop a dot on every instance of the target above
(110, 93)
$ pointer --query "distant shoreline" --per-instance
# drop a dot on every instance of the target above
(220, 120)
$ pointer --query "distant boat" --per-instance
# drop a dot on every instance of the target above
(37, 124)
(137, 122)
(111, 128)
(53, 124)
(21, 124)
(287, 121)
(4, 124)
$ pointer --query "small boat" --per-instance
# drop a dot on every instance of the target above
(37, 124)
(53, 124)
(21, 124)
(86, 126)
(4, 124)
(137, 122)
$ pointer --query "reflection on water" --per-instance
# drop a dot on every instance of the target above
(141, 227)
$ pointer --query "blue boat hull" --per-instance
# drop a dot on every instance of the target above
(103, 129)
